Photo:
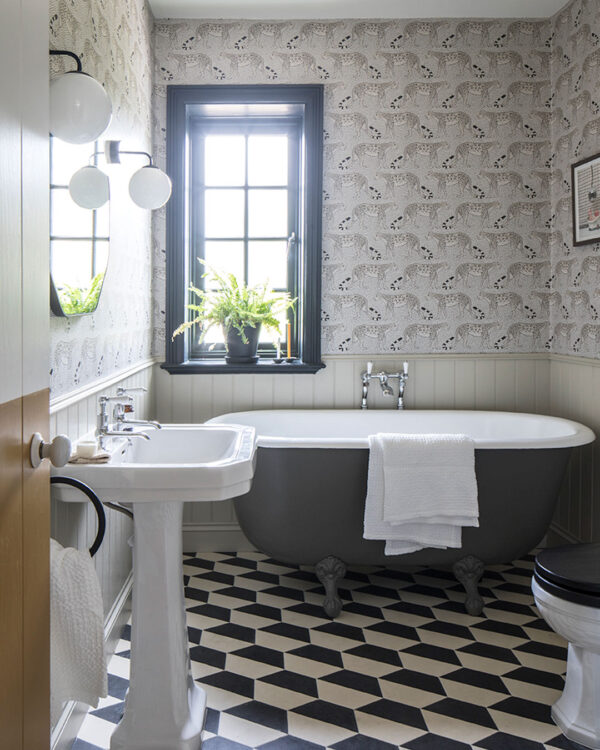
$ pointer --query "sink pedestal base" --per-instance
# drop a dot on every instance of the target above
(164, 709)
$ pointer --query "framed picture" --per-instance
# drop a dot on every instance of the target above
(585, 177)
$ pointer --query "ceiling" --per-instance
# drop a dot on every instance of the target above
(302, 9)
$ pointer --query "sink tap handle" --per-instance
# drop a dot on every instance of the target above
(405, 367)
(119, 399)
(369, 368)
(123, 391)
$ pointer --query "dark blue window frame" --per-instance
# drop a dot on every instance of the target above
(183, 105)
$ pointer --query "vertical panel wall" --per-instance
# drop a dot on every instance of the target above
(508, 382)
(574, 389)
(74, 524)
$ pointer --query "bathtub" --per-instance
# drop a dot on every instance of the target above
(307, 499)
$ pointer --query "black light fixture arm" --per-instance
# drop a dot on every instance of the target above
(113, 153)
(68, 54)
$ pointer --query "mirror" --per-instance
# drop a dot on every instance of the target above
(79, 237)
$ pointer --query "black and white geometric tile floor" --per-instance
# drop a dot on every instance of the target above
(403, 666)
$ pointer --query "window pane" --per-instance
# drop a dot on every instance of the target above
(268, 213)
(67, 158)
(213, 336)
(224, 213)
(71, 263)
(225, 160)
(267, 263)
(102, 217)
(270, 337)
(224, 257)
(67, 219)
(268, 160)
(101, 256)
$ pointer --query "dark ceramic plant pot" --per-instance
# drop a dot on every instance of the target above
(239, 353)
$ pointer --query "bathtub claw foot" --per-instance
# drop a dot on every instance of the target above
(330, 571)
(468, 571)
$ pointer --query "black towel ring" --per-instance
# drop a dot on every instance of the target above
(99, 508)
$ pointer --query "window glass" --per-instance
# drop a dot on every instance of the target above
(67, 219)
(267, 262)
(268, 160)
(224, 213)
(225, 257)
(224, 160)
(268, 213)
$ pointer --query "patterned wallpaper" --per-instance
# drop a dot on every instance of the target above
(113, 39)
(437, 226)
(575, 305)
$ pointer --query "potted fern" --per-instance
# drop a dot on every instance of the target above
(239, 310)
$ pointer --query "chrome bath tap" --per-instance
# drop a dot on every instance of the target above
(384, 378)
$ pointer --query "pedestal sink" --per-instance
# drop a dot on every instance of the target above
(164, 708)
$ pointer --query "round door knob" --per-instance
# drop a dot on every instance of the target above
(58, 451)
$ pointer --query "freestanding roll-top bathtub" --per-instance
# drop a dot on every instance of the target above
(306, 505)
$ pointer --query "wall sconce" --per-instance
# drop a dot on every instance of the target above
(89, 187)
(80, 109)
(149, 187)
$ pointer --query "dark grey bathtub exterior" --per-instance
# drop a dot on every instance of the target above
(307, 505)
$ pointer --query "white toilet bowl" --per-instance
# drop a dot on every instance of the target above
(558, 599)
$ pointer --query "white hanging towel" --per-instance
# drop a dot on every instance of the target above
(421, 491)
(77, 656)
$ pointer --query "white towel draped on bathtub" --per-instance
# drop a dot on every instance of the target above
(421, 491)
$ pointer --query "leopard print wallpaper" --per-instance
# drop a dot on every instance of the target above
(575, 126)
(438, 231)
(113, 39)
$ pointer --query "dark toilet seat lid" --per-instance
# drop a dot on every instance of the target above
(574, 566)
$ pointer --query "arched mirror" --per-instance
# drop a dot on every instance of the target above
(79, 237)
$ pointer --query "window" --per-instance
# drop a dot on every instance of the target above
(246, 165)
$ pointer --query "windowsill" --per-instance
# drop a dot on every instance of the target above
(212, 366)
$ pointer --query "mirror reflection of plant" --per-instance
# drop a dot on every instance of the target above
(234, 305)
(77, 299)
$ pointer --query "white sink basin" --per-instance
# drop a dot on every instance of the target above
(179, 463)
(165, 707)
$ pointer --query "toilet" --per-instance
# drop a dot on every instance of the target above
(566, 588)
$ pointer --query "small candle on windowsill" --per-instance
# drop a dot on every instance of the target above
(289, 340)
(279, 348)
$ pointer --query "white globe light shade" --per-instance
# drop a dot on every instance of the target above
(80, 108)
(89, 187)
(150, 187)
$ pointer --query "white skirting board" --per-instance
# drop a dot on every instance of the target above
(214, 537)
(64, 733)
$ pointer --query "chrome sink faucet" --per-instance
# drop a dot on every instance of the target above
(123, 404)
(384, 378)
(121, 410)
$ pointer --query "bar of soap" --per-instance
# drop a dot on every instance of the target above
(87, 448)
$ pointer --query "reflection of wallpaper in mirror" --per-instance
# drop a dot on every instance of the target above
(79, 237)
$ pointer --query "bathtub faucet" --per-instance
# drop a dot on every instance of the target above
(384, 378)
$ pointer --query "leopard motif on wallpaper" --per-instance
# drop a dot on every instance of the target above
(438, 229)
(113, 40)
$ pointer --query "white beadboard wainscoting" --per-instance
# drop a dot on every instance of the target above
(74, 524)
(509, 382)
(574, 394)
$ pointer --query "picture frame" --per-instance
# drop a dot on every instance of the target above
(585, 189)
